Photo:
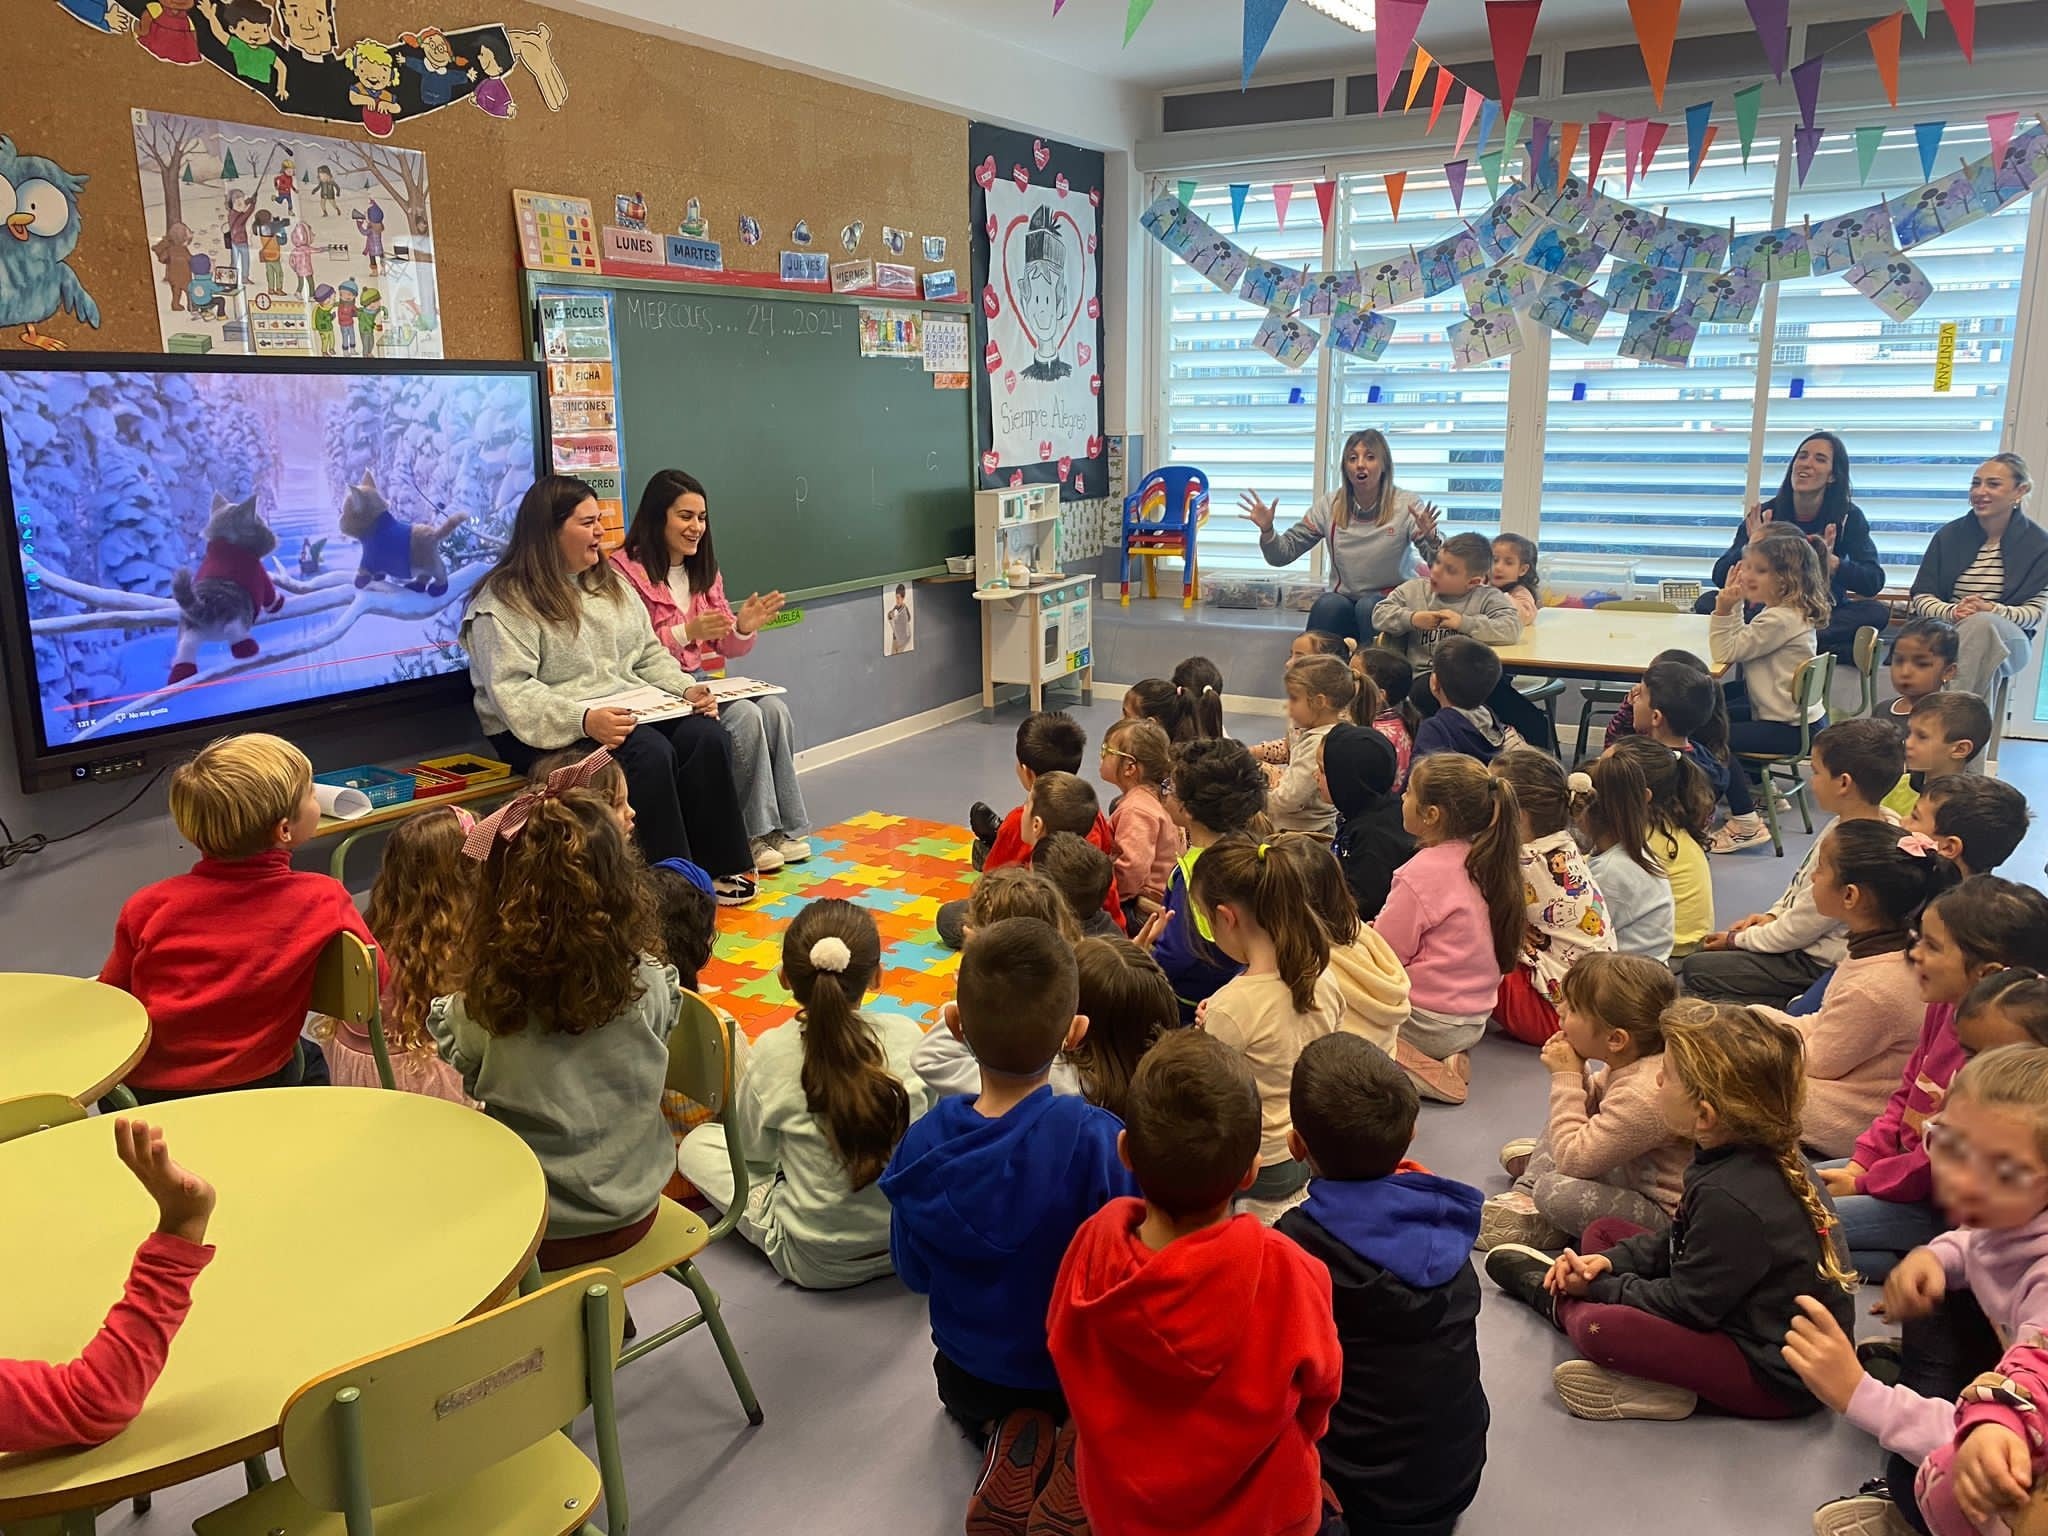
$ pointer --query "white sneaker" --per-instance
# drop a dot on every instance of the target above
(1865, 1513)
(1590, 1391)
(767, 857)
(794, 850)
(732, 890)
(1515, 1155)
(1513, 1218)
(1733, 837)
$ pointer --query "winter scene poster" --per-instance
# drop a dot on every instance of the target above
(196, 545)
(269, 242)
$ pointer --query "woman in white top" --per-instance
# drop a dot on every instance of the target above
(667, 560)
(1375, 532)
(1987, 573)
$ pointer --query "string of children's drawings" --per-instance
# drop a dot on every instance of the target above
(1539, 248)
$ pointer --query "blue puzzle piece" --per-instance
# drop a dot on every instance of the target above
(882, 1002)
(884, 899)
(913, 955)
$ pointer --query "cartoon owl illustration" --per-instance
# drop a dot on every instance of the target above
(38, 229)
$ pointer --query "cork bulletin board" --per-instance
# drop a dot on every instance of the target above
(643, 114)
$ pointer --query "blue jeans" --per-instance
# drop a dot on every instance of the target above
(764, 766)
(1339, 613)
(1882, 1232)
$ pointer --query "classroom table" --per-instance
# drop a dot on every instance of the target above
(68, 1035)
(350, 1220)
(1603, 645)
(354, 829)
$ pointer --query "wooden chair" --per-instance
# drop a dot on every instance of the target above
(458, 1432)
(1609, 696)
(345, 988)
(700, 1066)
(1809, 687)
(34, 1112)
(1864, 648)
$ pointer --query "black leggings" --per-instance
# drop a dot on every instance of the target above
(1746, 733)
(679, 778)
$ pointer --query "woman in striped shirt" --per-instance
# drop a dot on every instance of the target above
(1987, 573)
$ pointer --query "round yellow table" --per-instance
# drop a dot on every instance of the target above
(350, 1220)
(64, 1034)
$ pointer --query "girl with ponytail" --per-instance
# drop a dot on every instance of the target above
(825, 1099)
(1454, 916)
(1874, 881)
(1198, 701)
(1668, 1319)
(1259, 909)
(1611, 809)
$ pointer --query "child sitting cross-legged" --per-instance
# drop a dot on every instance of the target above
(1310, 642)
(1668, 1319)
(1387, 710)
(1979, 1456)
(1945, 734)
(1358, 768)
(1681, 810)
(985, 1194)
(222, 957)
(1773, 956)
(825, 1100)
(1466, 674)
(1565, 915)
(1217, 791)
(1611, 810)
(1065, 802)
(1396, 1239)
(1318, 690)
(686, 911)
(1606, 1150)
(1371, 981)
(1678, 705)
(1138, 760)
(1974, 822)
(1083, 874)
(1923, 663)
(1196, 1349)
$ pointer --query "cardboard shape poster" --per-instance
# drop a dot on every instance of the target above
(1035, 210)
(270, 242)
(296, 57)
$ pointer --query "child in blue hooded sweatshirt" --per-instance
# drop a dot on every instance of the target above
(1407, 1439)
(986, 1192)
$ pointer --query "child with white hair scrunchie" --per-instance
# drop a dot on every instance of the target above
(824, 1101)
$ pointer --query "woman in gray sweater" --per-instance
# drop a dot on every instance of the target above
(553, 627)
(1371, 526)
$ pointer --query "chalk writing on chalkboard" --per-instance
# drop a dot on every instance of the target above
(649, 312)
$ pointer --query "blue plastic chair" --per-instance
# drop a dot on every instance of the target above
(1160, 519)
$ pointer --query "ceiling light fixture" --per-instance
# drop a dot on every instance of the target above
(1355, 14)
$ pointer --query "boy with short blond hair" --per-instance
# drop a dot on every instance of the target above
(1197, 1349)
(222, 957)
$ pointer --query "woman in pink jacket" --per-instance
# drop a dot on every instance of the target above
(668, 561)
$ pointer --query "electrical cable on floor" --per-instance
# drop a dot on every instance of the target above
(13, 849)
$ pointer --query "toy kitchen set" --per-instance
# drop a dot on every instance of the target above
(1034, 620)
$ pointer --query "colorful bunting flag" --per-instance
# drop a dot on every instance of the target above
(1804, 142)
(1772, 20)
(1884, 52)
(1326, 199)
(1186, 192)
(1919, 12)
(1468, 112)
(1698, 118)
(1513, 131)
(1415, 75)
(1747, 100)
(1510, 24)
(1928, 136)
(1653, 140)
(1632, 150)
(1239, 191)
(1962, 15)
(1567, 146)
(1867, 142)
(2001, 125)
(1283, 199)
(1394, 24)
(1489, 166)
(1597, 135)
(1134, 18)
(1706, 143)
(1656, 23)
(1396, 182)
(1806, 86)
(1260, 17)
(1539, 149)
(1454, 174)
(1444, 81)
(1489, 114)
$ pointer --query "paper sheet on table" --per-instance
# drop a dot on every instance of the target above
(338, 802)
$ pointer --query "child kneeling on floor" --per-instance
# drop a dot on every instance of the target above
(825, 1100)
(1606, 1150)
(985, 1194)
(1195, 1348)
(1701, 1312)
(1407, 1439)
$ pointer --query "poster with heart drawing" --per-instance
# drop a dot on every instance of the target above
(1037, 265)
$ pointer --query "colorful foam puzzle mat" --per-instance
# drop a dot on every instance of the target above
(899, 868)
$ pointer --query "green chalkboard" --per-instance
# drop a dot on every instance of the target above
(826, 471)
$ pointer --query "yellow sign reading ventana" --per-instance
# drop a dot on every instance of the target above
(1945, 358)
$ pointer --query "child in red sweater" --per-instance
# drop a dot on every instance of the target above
(222, 956)
(1196, 1349)
(93, 1398)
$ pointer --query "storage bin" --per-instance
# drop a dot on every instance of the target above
(380, 786)
(469, 768)
(1239, 592)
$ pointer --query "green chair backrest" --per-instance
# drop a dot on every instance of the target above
(700, 1066)
(345, 987)
(1635, 605)
(1864, 649)
(36, 1112)
(440, 1410)
(1810, 686)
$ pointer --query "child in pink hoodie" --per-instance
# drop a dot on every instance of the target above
(1980, 1455)
(1883, 1192)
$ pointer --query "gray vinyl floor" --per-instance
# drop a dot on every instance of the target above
(855, 1442)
